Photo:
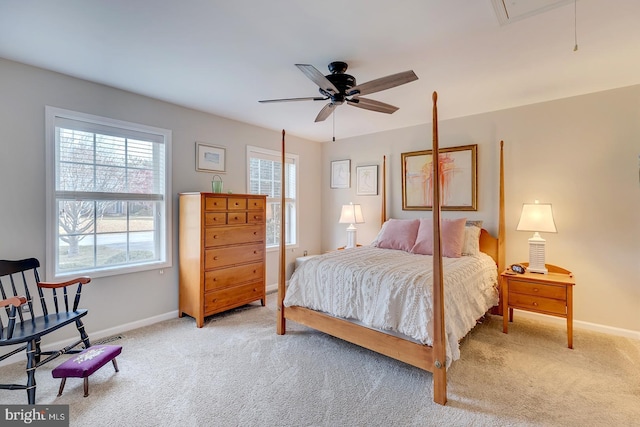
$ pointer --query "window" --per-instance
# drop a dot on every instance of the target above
(108, 195)
(264, 176)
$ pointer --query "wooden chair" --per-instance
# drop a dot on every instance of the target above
(27, 321)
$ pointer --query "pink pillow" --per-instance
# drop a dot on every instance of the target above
(452, 235)
(399, 234)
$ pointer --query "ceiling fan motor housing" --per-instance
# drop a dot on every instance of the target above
(343, 82)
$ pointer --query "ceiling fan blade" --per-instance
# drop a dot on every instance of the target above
(325, 112)
(383, 83)
(317, 77)
(311, 98)
(370, 104)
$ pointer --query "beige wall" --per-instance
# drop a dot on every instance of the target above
(581, 154)
(125, 299)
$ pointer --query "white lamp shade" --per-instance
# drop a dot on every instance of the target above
(351, 214)
(537, 217)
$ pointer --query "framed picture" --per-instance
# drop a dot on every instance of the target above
(367, 180)
(341, 174)
(458, 179)
(209, 158)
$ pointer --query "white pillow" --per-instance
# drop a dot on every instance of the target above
(471, 245)
(377, 239)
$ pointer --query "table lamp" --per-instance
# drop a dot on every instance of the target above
(351, 214)
(537, 217)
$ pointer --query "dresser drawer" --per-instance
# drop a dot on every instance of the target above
(215, 203)
(237, 218)
(215, 218)
(534, 303)
(232, 235)
(232, 297)
(255, 217)
(255, 204)
(224, 277)
(535, 289)
(222, 257)
(237, 204)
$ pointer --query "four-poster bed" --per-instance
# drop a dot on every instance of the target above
(412, 350)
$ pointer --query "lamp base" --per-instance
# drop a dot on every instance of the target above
(351, 237)
(537, 255)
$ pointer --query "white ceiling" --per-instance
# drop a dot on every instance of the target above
(222, 56)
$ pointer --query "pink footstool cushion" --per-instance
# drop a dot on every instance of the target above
(86, 363)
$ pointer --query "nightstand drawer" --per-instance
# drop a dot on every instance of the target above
(534, 303)
(538, 289)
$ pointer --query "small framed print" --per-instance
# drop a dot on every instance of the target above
(367, 180)
(341, 174)
(210, 158)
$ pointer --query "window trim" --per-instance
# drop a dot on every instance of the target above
(165, 245)
(278, 155)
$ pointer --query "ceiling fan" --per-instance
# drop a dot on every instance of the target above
(339, 88)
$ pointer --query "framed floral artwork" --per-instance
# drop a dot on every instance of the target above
(458, 179)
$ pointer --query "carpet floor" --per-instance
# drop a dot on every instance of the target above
(235, 371)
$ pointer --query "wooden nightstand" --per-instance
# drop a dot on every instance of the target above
(550, 294)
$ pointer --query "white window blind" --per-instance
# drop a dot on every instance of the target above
(108, 195)
(264, 176)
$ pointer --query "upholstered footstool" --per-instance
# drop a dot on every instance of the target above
(86, 363)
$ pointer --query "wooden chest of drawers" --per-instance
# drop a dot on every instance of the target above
(222, 252)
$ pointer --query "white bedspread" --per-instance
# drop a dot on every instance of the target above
(392, 290)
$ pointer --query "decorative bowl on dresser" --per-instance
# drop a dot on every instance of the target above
(222, 252)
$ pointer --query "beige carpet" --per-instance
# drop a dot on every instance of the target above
(237, 372)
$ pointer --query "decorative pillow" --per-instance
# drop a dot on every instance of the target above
(475, 223)
(471, 240)
(398, 234)
(452, 237)
(380, 233)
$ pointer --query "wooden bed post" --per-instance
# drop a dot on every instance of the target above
(383, 216)
(501, 220)
(281, 325)
(439, 349)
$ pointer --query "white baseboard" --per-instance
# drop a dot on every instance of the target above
(97, 335)
(272, 288)
(105, 333)
(579, 324)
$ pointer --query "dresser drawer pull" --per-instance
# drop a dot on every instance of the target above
(215, 258)
(535, 304)
(255, 252)
(255, 233)
(235, 217)
(237, 203)
(536, 290)
(215, 236)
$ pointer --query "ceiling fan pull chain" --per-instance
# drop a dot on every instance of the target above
(575, 24)
(334, 125)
